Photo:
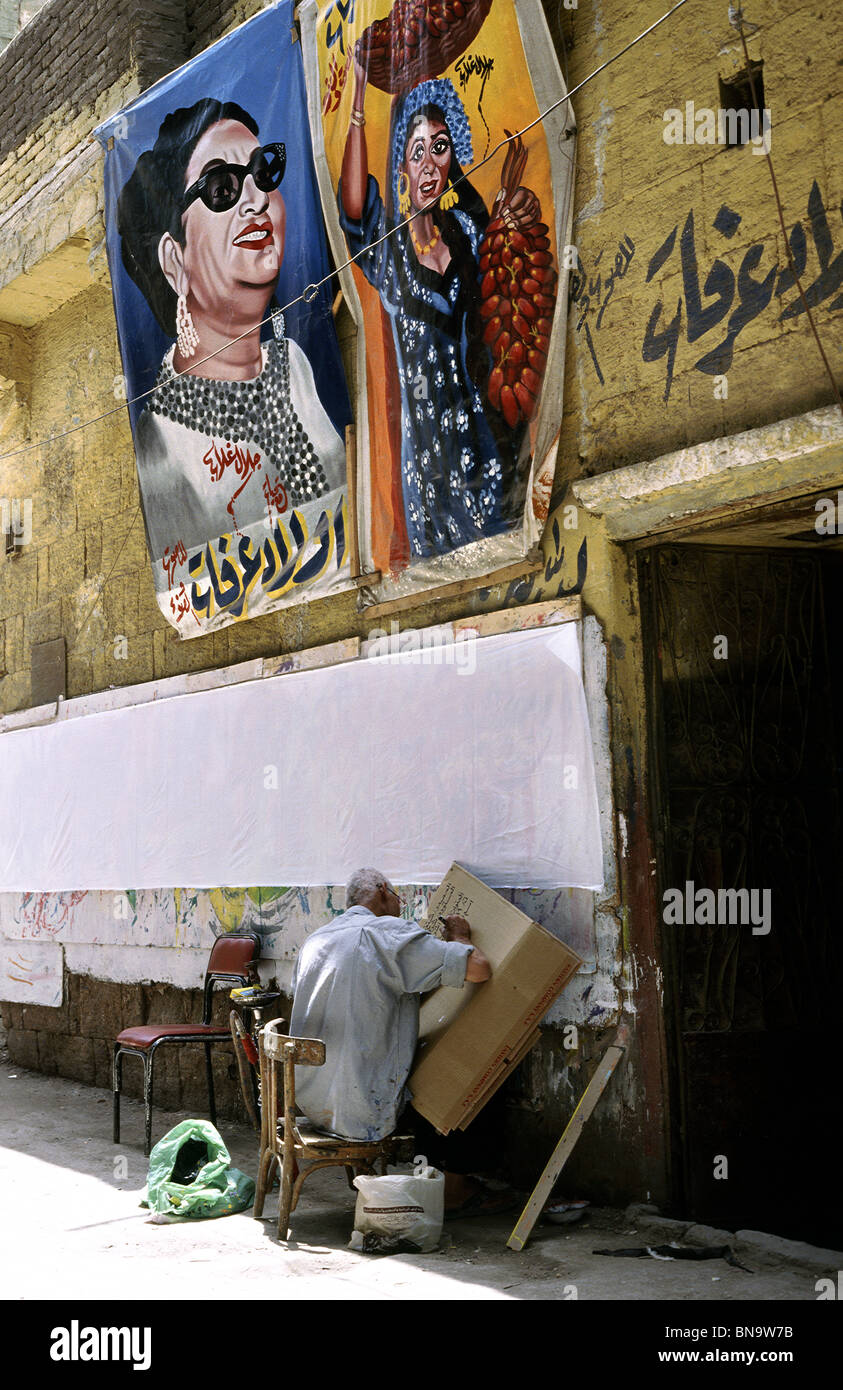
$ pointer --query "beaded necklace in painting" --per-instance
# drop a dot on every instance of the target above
(259, 411)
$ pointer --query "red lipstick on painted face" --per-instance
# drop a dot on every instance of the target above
(255, 236)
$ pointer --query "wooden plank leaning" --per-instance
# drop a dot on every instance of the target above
(563, 1150)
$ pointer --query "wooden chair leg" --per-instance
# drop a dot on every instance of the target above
(268, 1159)
(260, 1188)
(273, 1175)
(350, 1174)
(260, 1183)
(285, 1201)
(299, 1175)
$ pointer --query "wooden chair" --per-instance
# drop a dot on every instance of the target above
(290, 1140)
(233, 960)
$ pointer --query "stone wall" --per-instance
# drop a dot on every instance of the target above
(208, 20)
(693, 227)
(60, 66)
(75, 1041)
(68, 69)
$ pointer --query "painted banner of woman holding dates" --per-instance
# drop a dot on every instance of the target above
(458, 303)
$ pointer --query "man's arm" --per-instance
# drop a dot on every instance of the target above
(478, 967)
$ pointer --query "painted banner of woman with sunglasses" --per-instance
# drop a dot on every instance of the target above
(240, 455)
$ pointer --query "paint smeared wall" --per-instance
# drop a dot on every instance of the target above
(164, 935)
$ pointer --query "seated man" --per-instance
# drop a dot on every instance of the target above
(357, 985)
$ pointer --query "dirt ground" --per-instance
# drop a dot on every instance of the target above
(70, 1212)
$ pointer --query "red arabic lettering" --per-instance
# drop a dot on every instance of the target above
(171, 559)
(335, 80)
(277, 497)
(221, 456)
(246, 465)
(180, 603)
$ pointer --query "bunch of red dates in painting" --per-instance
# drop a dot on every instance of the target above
(518, 293)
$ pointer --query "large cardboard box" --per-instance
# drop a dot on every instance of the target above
(472, 1039)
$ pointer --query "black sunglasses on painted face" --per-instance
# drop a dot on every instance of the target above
(220, 187)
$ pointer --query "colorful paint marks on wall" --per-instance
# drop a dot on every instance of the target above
(31, 972)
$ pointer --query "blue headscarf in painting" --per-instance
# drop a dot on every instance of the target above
(442, 93)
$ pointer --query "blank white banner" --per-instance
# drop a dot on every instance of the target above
(479, 753)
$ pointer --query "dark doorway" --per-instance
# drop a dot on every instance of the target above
(746, 740)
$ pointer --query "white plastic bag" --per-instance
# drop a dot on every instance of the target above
(401, 1210)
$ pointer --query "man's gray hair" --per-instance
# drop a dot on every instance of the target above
(362, 884)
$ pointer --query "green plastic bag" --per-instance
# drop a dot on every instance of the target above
(190, 1175)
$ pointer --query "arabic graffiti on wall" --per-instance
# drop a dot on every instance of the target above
(717, 303)
(98, 933)
(74, 916)
(89, 940)
(568, 560)
(591, 294)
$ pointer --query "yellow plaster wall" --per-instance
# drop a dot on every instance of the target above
(88, 550)
(61, 367)
(631, 184)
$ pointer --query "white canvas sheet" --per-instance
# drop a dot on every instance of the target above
(406, 765)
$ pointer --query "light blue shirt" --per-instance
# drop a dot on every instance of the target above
(356, 986)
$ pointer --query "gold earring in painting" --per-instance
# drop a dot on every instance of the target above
(186, 333)
(449, 198)
(403, 193)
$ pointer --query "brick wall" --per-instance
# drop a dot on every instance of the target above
(208, 20)
(63, 61)
(75, 1041)
(631, 188)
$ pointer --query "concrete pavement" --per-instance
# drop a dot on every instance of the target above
(73, 1229)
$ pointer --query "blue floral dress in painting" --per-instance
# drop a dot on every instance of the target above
(458, 479)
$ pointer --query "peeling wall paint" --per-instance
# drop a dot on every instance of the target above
(165, 934)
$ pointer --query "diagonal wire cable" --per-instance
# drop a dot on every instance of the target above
(310, 292)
